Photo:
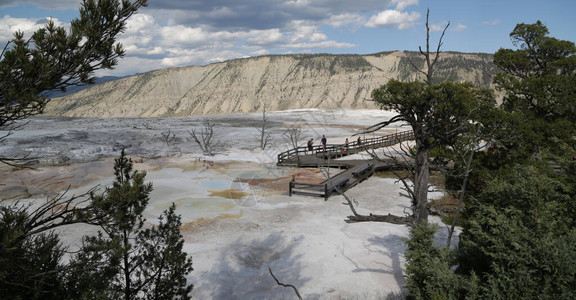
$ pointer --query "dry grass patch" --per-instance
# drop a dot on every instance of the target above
(446, 207)
(437, 179)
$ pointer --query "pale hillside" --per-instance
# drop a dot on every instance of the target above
(281, 82)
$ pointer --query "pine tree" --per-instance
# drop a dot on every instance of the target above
(54, 58)
(137, 261)
(521, 237)
(539, 79)
(29, 265)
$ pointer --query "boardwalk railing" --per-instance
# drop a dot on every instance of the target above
(291, 157)
(316, 189)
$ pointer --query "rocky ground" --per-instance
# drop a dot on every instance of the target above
(238, 218)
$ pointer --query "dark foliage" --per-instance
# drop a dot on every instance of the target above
(54, 58)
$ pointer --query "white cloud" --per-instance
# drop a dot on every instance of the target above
(439, 26)
(139, 22)
(133, 65)
(459, 27)
(318, 37)
(260, 52)
(177, 33)
(130, 65)
(337, 21)
(156, 51)
(394, 18)
(151, 45)
(303, 32)
(491, 22)
(221, 12)
(183, 36)
(402, 4)
(179, 60)
(9, 25)
(265, 37)
(320, 45)
(52, 4)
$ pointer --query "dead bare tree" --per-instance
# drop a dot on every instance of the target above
(356, 217)
(168, 137)
(468, 144)
(430, 62)
(467, 155)
(418, 106)
(413, 162)
(264, 136)
(206, 139)
(292, 136)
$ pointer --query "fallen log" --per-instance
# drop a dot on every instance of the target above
(380, 218)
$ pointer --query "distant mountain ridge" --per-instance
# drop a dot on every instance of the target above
(75, 89)
(280, 81)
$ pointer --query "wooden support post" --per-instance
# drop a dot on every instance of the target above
(291, 186)
(325, 192)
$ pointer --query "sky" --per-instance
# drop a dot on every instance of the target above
(175, 33)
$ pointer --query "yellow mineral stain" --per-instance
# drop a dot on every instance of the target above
(229, 194)
(230, 216)
(205, 221)
(200, 221)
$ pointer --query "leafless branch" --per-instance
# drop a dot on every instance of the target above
(285, 285)
(59, 211)
(292, 135)
(403, 160)
(264, 137)
(378, 126)
(206, 140)
(427, 54)
(440, 43)
(4, 49)
(477, 140)
(430, 63)
(168, 137)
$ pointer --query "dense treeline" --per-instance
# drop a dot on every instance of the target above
(519, 230)
(125, 259)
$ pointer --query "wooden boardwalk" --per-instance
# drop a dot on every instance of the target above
(355, 171)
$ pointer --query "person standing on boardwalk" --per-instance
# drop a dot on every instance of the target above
(310, 143)
(359, 142)
(323, 143)
(346, 144)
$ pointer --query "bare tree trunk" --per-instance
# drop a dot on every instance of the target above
(421, 159)
(264, 137)
(429, 61)
(460, 197)
(292, 135)
(127, 273)
(207, 141)
(422, 176)
(168, 137)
